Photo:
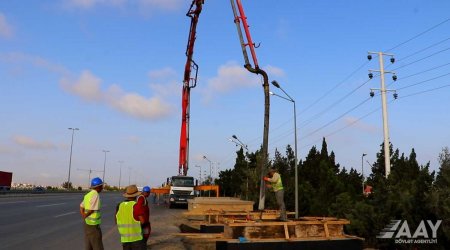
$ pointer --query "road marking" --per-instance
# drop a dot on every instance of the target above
(49, 205)
(60, 215)
(11, 202)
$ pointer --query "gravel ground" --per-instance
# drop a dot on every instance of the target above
(165, 223)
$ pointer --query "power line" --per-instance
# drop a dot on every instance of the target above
(419, 51)
(438, 52)
(333, 104)
(333, 88)
(373, 111)
(351, 74)
(334, 120)
(425, 91)
(427, 70)
(424, 81)
(418, 73)
(346, 126)
(418, 35)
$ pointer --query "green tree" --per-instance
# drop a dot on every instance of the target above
(441, 195)
(67, 185)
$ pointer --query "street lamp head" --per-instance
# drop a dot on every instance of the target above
(275, 83)
(271, 93)
(204, 157)
(234, 137)
(364, 154)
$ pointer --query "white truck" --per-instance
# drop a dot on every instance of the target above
(181, 190)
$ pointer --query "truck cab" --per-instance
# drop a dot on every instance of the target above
(181, 189)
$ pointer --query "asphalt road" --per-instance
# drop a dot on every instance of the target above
(44, 221)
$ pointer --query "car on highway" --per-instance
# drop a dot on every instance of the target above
(38, 190)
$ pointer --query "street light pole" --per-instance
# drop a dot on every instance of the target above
(129, 175)
(275, 83)
(200, 175)
(120, 172)
(70, 158)
(210, 162)
(104, 165)
(362, 171)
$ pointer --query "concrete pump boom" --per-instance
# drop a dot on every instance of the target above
(256, 70)
(188, 83)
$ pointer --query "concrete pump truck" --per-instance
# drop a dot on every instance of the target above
(182, 186)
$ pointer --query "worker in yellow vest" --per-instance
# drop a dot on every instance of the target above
(90, 211)
(129, 219)
(275, 183)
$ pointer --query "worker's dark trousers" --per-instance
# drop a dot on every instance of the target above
(279, 195)
(137, 245)
(93, 237)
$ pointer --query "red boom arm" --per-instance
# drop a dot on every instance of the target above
(188, 83)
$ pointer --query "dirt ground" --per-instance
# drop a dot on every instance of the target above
(165, 223)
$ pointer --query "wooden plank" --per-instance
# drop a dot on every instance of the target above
(286, 231)
(327, 233)
(218, 204)
(276, 223)
(256, 224)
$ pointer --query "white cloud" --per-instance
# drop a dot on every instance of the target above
(133, 139)
(88, 87)
(163, 73)
(232, 76)
(274, 71)
(17, 58)
(141, 107)
(32, 143)
(6, 29)
(165, 82)
(143, 6)
(89, 4)
(170, 5)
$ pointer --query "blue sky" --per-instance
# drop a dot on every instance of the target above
(114, 69)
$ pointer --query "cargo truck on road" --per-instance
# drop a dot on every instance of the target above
(5, 181)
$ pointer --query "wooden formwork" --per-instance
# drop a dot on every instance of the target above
(200, 205)
(240, 222)
(221, 216)
(305, 228)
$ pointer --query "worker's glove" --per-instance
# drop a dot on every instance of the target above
(266, 178)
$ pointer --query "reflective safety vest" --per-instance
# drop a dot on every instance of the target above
(95, 218)
(129, 228)
(278, 185)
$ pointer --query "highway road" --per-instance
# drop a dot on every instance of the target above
(52, 221)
